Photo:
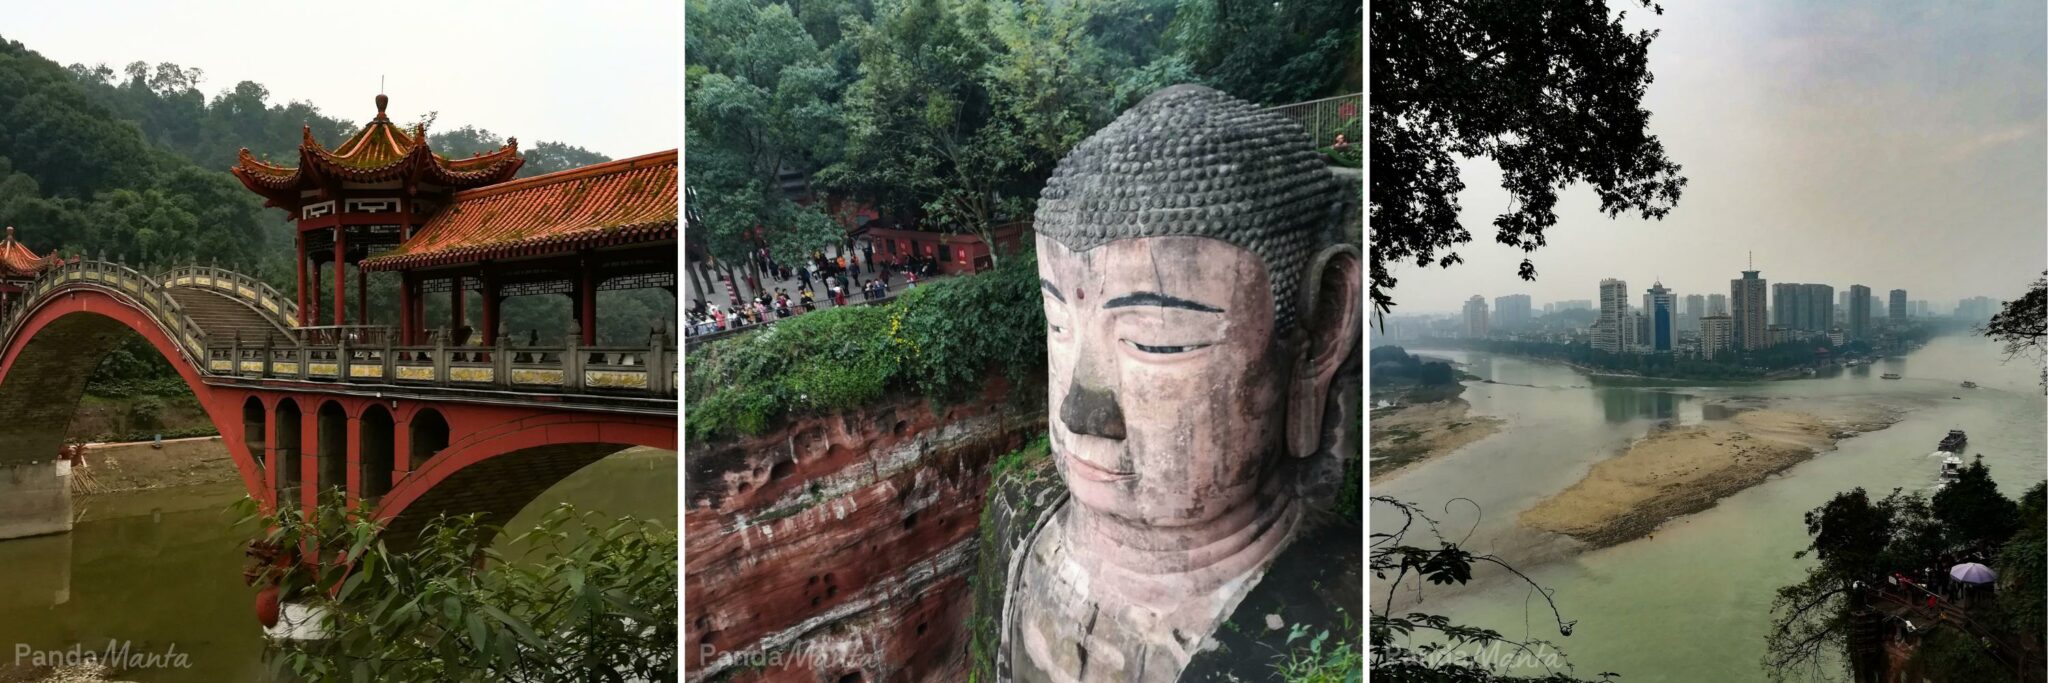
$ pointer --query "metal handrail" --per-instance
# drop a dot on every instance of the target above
(1321, 128)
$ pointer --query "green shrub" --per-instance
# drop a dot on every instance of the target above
(939, 340)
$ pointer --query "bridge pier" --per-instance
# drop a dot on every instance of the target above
(35, 498)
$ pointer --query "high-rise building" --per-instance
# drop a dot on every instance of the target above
(1638, 327)
(1747, 295)
(1510, 312)
(1898, 306)
(1663, 326)
(1819, 301)
(1859, 312)
(1717, 304)
(1716, 335)
(1782, 303)
(1976, 308)
(1575, 305)
(1475, 317)
(1607, 333)
(1695, 309)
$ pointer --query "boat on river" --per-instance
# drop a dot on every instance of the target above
(1954, 442)
(1967, 384)
(1951, 470)
(1890, 375)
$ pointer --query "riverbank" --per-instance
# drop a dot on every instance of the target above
(137, 466)
(1411, 433)
(1676, 471)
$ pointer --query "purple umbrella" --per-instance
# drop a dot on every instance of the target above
(1971, 572)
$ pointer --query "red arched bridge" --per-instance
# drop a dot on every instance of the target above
(415, 430)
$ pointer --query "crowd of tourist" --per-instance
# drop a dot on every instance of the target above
(820, 280)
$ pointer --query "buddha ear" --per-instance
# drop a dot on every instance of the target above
(1329, 322)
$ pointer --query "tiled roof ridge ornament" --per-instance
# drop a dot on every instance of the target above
(382, 101)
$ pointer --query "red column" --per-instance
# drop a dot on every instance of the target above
(456, 301)
(340, 275)
(313, 295)
(406, 316)
(586, 303)
(303, 320)
(490, 322)
(352, 459)
(309, 460)
(362, 295)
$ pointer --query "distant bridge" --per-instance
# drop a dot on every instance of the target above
(417, 431)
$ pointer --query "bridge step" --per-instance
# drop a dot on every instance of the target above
(222, 317)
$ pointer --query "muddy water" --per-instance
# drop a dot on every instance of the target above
(160, 570)
(1692, 601)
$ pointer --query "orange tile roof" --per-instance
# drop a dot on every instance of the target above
(629, 201)
(17, 261)
(380, 151)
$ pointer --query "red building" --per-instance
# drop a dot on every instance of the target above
(18, 268)
(372, 192)
(575, 232)
(384, 201)
(956, 253)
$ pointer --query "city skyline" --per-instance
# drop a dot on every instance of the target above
(1893, 146)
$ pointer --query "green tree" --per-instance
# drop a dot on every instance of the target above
(1551, 93)
(2022, 325)
(1975, 518)
(2021, 565)
(761, 103)
(595, 599)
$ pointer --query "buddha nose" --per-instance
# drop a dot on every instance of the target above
(1092, 411)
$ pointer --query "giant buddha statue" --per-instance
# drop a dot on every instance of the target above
(1202, 309)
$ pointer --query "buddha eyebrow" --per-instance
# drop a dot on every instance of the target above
(1050, 289)
(1157, 299)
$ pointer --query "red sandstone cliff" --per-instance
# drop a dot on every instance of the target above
(837, 549)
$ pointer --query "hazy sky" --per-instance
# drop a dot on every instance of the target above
(1893, 146)
(601, 75)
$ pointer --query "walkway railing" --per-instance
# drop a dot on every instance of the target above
(1324, 117)
(570, 368)
(252, 290)
(135, 286)
(358, 355)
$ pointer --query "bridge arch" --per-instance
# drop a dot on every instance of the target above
(376, 444)
(253, 426)
(286, 446)
(497, 471)
(428, 436)
(53, 347)
(331, 448)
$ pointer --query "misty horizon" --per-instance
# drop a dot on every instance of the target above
(1899, 147)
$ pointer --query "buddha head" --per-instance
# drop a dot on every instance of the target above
(1198, 306)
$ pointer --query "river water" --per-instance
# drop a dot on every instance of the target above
(162, 569)
(1692, 601)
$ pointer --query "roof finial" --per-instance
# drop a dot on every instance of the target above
(1752, 260)
(381, 101)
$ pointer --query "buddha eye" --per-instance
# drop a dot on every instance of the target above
(1164, 350)
(1056, 329)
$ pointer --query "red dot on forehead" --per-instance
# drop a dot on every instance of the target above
(1080, 294)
